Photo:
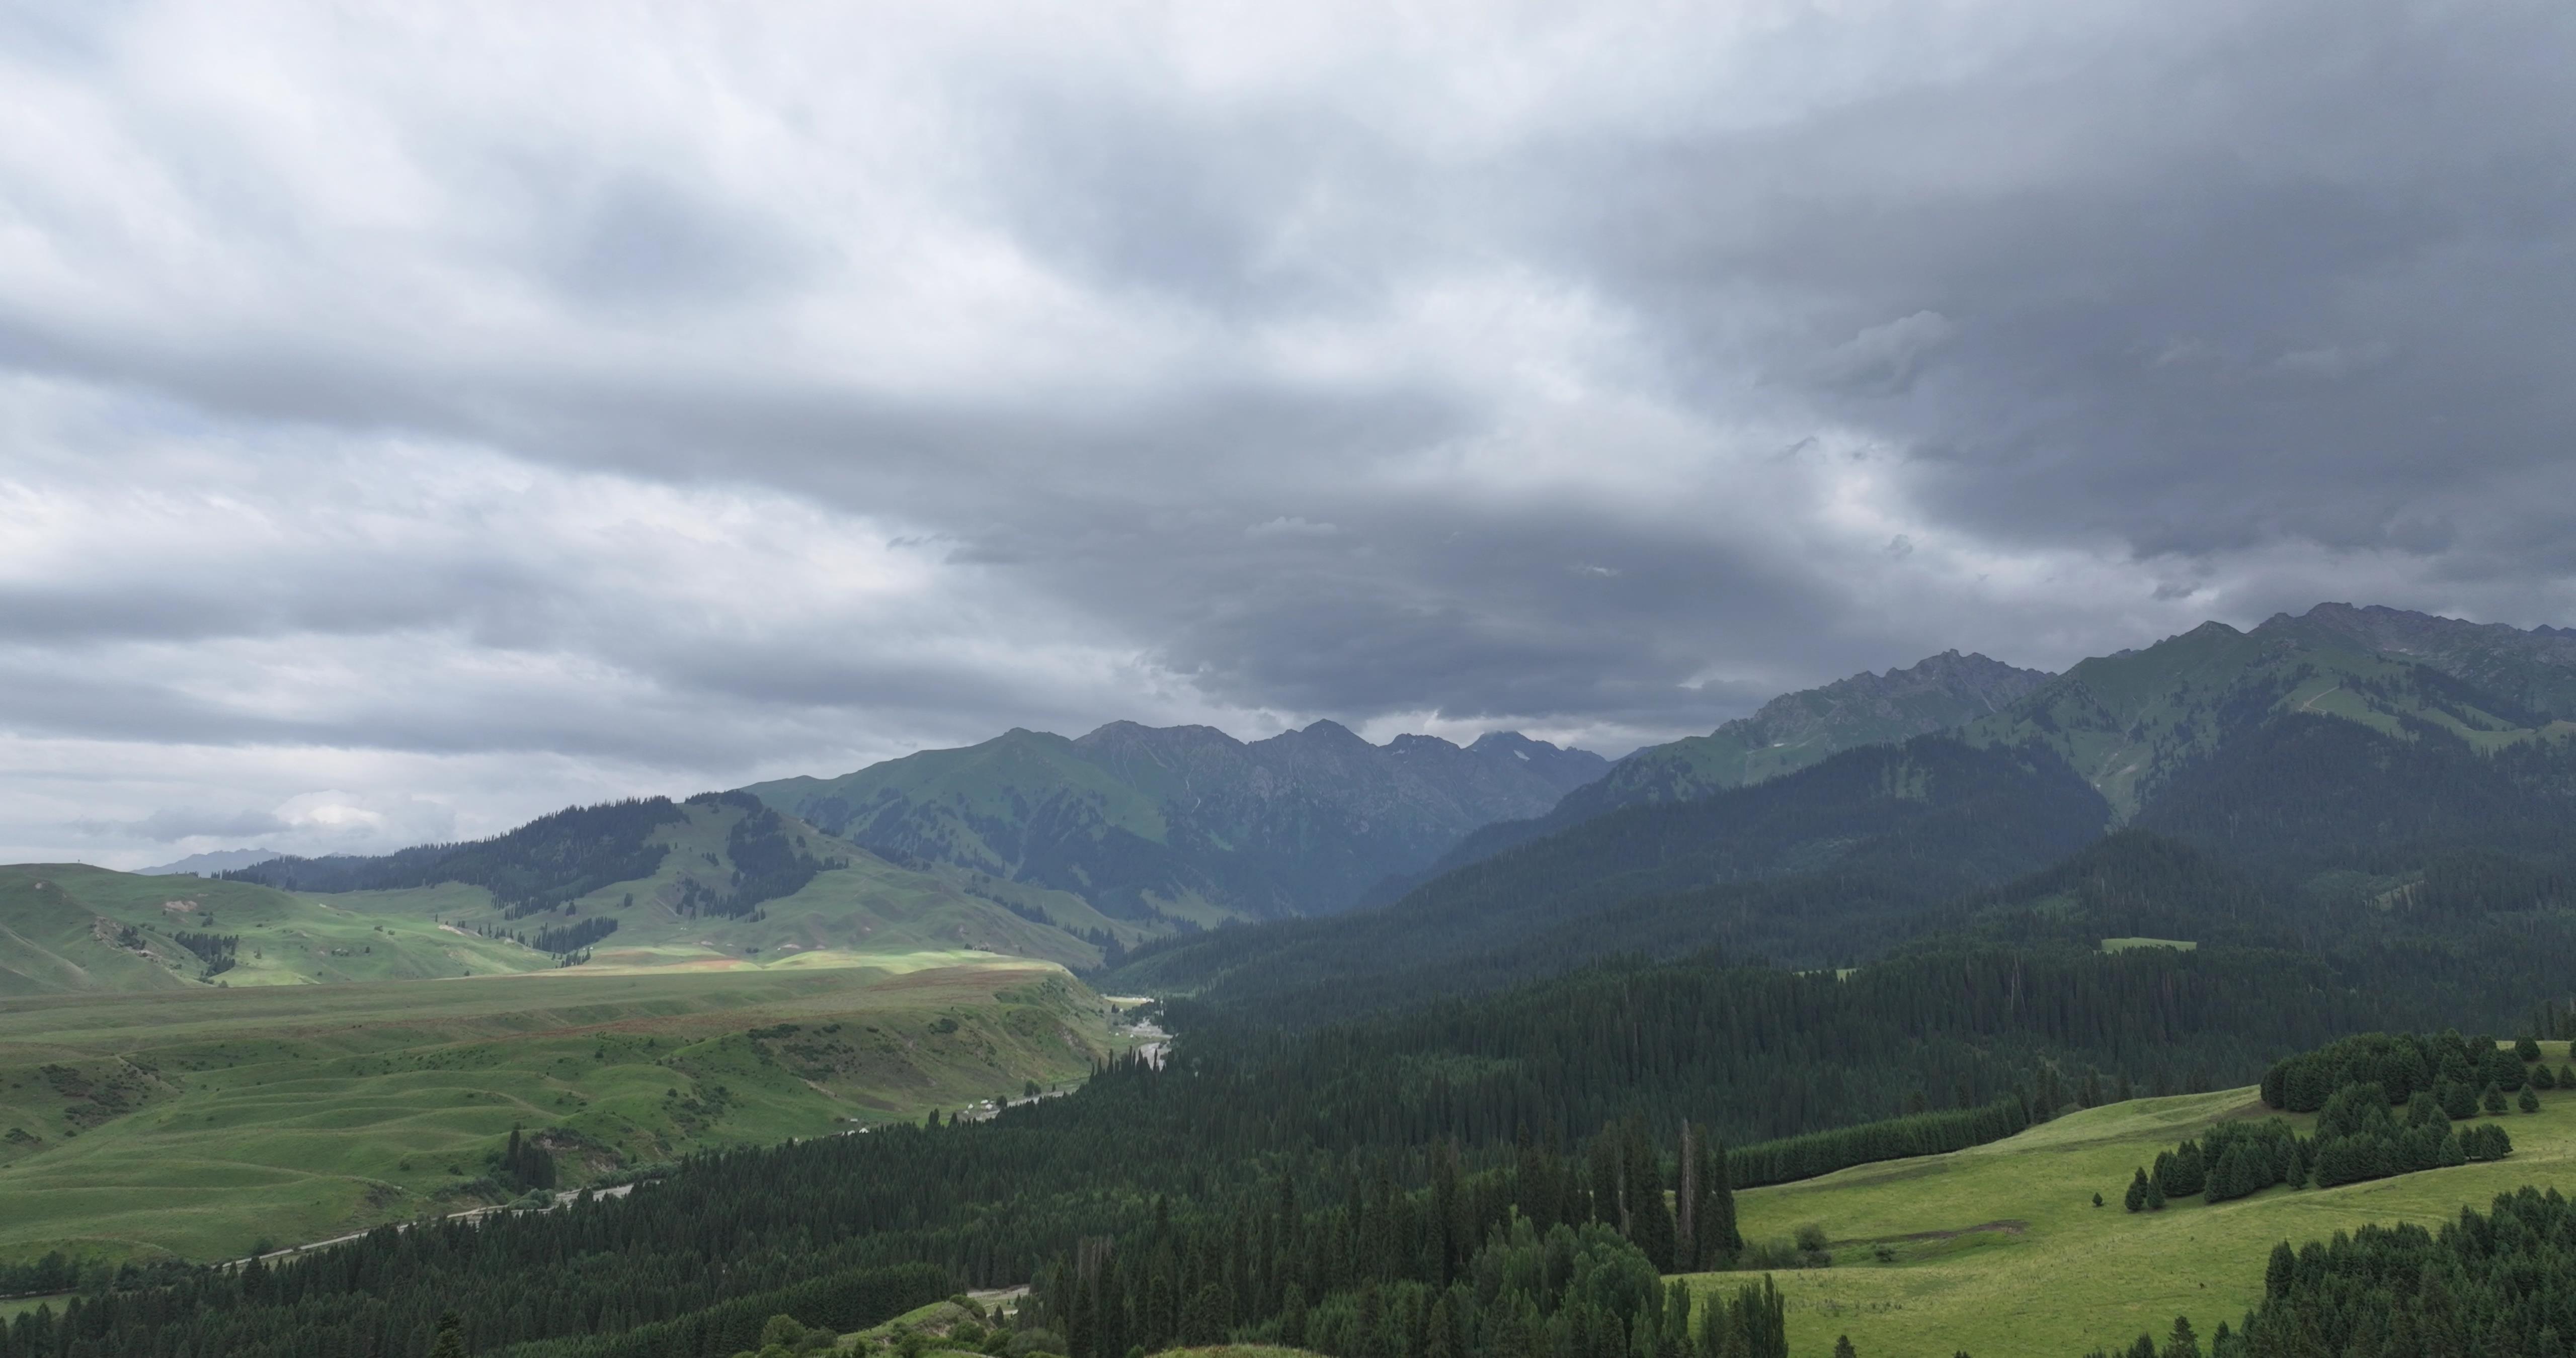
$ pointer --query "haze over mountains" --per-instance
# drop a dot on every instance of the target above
(1831, 824)
(1187, 821)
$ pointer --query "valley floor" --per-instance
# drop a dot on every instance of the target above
(1999, 1251)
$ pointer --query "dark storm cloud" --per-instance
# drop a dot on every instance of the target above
(650, 392)
(2214, 277)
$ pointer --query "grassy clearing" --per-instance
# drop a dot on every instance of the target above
(1998, 1249)
(196, 1122)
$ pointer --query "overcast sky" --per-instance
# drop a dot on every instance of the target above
(418, 417)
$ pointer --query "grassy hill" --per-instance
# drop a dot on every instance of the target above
(198, 1121)
(1999, 1251)
(715, 877)
(68, 927)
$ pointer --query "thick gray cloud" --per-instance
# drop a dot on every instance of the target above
(412, 421)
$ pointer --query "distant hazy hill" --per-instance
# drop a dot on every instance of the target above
(208, 864)
(1187, 821)
(1789, 733)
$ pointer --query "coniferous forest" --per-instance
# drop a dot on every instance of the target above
(1508, 1173)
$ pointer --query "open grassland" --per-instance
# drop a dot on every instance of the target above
(197, 1122)
(69, 927)
(1999, 1250)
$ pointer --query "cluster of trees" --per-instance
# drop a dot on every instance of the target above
(2498, 1282)
(850, 1299)
(562, 940)
(2357, 1138)
(1806, 1156)
(768, 861)
(1544, 1255)
(565, 939)
(210, 947)
(2446, 1065)
(525, 1165)
(2353, 1085)
(218, 951)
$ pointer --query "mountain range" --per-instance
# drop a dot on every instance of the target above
(1187, 823)
(1789, 733)
(2341, 754)
(2297, 754)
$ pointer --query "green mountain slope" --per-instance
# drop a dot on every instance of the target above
(2303, 786)
(1187, 822)
(69, 927)
(2129, 722)
(1820, 867)
(2535, 668)
(717, 878)
(1799, 729)
(1789, 733)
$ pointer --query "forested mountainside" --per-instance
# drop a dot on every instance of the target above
(2327, 774)
(1188, 822)
(1812, 868)
(1789, 733)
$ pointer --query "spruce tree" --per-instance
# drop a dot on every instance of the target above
(2529, 1102)
(2155, 1196)
(1649, 1215)
(1843, 1347)
(2281, 1271)
(2137, 1195)
(2493, 1100)
(1715, 1239)
(451, 1337)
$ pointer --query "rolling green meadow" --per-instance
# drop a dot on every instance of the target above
(70, 927)
(200, 1122)
(1999, 1250)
